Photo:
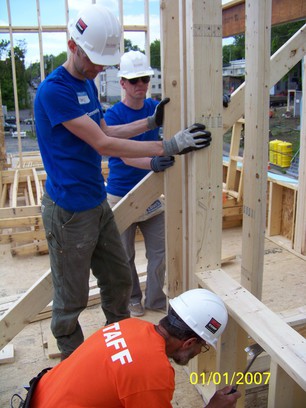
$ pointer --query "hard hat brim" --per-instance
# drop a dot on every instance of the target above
(135, 75)
(104, 59)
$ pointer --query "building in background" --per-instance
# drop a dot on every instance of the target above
(234, 75)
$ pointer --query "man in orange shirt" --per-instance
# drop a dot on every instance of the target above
(126, 364)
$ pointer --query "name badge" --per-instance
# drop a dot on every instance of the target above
(83, 98)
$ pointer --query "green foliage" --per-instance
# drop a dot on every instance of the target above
(6, 76)
(281, 34)
(155, 54)
(128, 46)
(154, 51)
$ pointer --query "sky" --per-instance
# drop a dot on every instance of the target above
(23, 13)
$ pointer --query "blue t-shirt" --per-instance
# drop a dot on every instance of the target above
(74, 179)
(122, 178)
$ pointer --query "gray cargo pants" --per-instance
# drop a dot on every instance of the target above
(77, 242)
(153, 231)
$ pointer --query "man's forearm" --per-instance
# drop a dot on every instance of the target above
(128, 130)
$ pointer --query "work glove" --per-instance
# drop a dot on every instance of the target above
(195, 137)
(157, 118)
(161, 163)
(226, 100)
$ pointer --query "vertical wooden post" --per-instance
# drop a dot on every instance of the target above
(2, 141)
(172, 72)
(258, 28)
(14, 83)
(40, 42)
(283, 390)
(204, 172)
(204, 105)
(300, 226)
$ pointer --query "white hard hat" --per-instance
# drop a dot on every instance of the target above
(134, 64)
(203, 311)
(98, 32)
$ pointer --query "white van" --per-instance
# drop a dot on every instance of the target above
(22, 134)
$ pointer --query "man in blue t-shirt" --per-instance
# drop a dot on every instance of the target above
(72, 137)
(125, 173)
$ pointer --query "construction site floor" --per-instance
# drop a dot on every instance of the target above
(284, 288)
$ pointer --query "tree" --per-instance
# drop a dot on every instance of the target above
(281, 34)
(128, 46)
(155, 54)
(6, 76)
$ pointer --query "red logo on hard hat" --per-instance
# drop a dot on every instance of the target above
(213, 325)
(81, 26)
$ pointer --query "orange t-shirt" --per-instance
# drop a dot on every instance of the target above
(123, 364)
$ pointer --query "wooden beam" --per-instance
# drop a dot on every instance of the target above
(283, 11)
(2, 142)
(204, 53)
(275, 209)
(285, 346)
(283, 390)
(22, 211)
(300, 222)
(23, 236)
(234, 156)
(204, 167)
(35, 221)
(135, 202)
(27, 307)
(173, 50)
(34, 29)
(258, 33)
(135, 28)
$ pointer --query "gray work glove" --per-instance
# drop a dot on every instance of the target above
(226, 100)
(193, 138)
(157, 118)
(161, 163)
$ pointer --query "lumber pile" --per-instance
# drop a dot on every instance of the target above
(21, 190)
(21, 226)
(232, 211)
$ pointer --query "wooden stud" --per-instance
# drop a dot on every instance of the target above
(255, 143)
(233, 156)
(204, 105)
(14, 192)
(275, 209)
(31, 196)
(300, 221)
(283, 391)
(134, 203)
(3, 195)
(204, 167)
(172, 51)
(31, 303)
(37, 185)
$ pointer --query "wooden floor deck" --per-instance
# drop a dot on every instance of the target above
(284, 289)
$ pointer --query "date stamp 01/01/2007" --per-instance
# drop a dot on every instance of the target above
(235, 378)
